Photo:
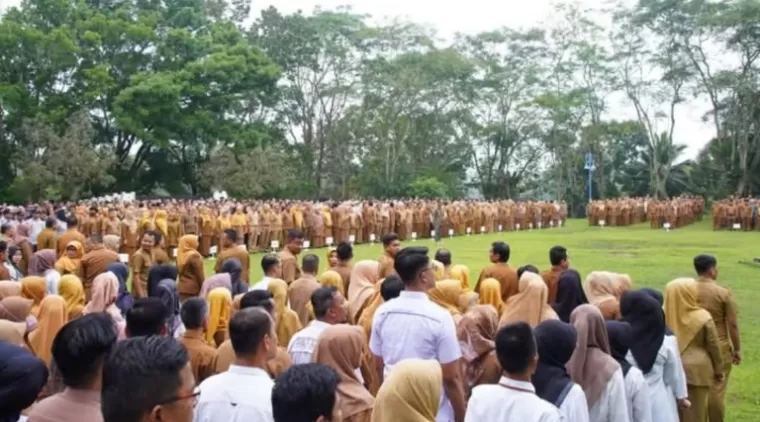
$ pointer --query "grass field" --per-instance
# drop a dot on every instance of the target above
(652, 258)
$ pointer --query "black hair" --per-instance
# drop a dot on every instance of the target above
(557, 255)
(72, 221)
(322, 300)
(502, 250)
(392, 287)
(268, 261)
(515, 347)
(231, 234)
(247, 329)
(153, 234)
(81, 346)
(258, 298)
(50, 222)
(193, 313)
(305, 392)
(529, 268)
(4, 228)
(3, 246)
(704, 263)
(443, 256)
(344, 251)
(310, 263)
(295, 234)
(410, 262)
(146, 317)
(389, 238)
(139, 374)
(157, 235)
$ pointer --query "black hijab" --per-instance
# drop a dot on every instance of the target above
(124, 299)
(570, 294)
(555, 341)
(647, 321)
(22, 377)
(234, 268)
(619, 333)
(158, 273)
(661, 300)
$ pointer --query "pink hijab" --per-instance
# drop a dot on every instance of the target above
(105, 289)
(216, 280)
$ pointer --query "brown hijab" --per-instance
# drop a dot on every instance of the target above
(476, 332)
(42, 261)
(9, 288)
(340, 347)
(591, 365)
(15, 308)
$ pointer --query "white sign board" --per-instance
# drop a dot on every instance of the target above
(414, 235)
(174, 252)
(372, 237)
(539, 224)
(469, 230)
(432, 233)
(500, 227)
(329, 240)
(124, 258)
(306, 244)
(517, 226)
(352, 238)
(737, 226)
(666, 226)
(274, 244)
(451, 232)
(601, 223)
(212, 250)
(482, 229)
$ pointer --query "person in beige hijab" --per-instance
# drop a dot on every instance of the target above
(410, 393)
(340, 347)
(9, 288)
(530, 303)
(13, 332)
(52, 317)
(363, 279)
(698, 342)
(476, 332)
(603, 290)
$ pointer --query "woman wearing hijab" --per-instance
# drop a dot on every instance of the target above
(623, 282)
(332, 258)
(490, 294)
(12, 263)
(530, 303)
(476, 331)
(42, 264)
(9, 288)
(602, 291)
(34, 288)
(124, 297)
(655, 353)
(71, 261)
(214, 282)
(234, 268)
(462, 273)
(340, 347)
(439, 269)
(555, 343)
(570, 294)
(21, 241)
(698, 344)
(190, 266)
(105, 290)
(410, 393)
(592, 367)
(22, 377)
(162, 283)
(219, 311)
(15, 308)
(332, 278)
(448, 294)
(52, 318)
(287, 319)
(636, 388)
(71, 290)
(363, 280)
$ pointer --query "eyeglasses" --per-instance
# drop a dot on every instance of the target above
(193, 397)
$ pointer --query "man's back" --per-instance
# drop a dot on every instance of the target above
(509, 400)
(718, 301)
(240, 393)
(506, 275)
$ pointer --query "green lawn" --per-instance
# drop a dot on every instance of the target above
(652, 258)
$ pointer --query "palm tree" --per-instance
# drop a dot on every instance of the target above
(657, 171)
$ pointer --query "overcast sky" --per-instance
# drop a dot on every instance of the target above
(472, 16)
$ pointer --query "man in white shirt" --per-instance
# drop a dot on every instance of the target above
(411, 326)
(244, 392)
(36, 226)
(513, 398)
(329, 309)
(270, 265)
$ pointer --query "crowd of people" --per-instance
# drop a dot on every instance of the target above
(736, 214)
(400, 338)
(670, 214)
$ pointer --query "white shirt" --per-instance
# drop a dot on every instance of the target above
(666, 381)
(612, 404)
(411, 326)
(52, 277)
(242, 394)
(36, 226)
(261, 285)
(302, 344)
(509, 400)
(637, 394)
(575, 407)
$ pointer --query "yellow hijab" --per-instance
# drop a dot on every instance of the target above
(410, 393)
(71, 290)
(159, 221)
(187, 247)
(35, 288)
(52, 317)
(332, 278)
(219, 311)
(490, 294)
(66, 265)
(447, 294)
(682, 312)
(439, 269)
(461, 273)
(530, 303)
(287, 319)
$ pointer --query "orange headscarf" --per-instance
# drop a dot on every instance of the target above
(490, 294)
(188, 246)
(71, 290)
(34, 288)
(66, 265)
(52, 317)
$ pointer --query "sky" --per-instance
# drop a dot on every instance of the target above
(472, 16)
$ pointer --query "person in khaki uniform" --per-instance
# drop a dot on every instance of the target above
(718, 301)
(194, 314)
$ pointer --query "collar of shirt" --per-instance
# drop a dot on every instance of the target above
(248, 370)
(414, 295)
(517, 385)
(82, 396)
(194, 335)
(317, 323)
(705, 279)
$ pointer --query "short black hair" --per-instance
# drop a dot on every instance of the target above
(704, 263)
(247, 330)
(295, 234)
(231, 234)
(322, 300)
(410, 262)
(258, 298)
(502, 250)
(389, 238)
(344, 251)
(529, 268)
(3, 246)
(4, 228)
(268, 261)
(305, 392)
(392, 287)
(557, 255)
(193, 312)
(443, 256)
(157, 235)
(310, 263)
(139, 374)
(152, 234)
(146, 317)
(50, 222)
(515, 347)
(81, 346)
(72, 221)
